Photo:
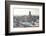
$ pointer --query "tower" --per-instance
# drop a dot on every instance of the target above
(29, 13)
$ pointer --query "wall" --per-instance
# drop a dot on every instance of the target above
(2, 17)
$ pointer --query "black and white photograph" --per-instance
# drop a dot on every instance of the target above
(24, 17)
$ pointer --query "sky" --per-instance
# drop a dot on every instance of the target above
(24, 10)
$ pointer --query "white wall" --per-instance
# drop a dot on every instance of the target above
(2, 17)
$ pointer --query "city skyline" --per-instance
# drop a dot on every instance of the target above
(21, 12)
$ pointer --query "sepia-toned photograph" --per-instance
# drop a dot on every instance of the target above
(26, 17)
